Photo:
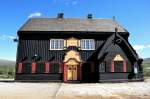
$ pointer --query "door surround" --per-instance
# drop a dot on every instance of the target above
(72, 66)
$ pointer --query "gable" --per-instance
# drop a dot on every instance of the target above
(118, 57)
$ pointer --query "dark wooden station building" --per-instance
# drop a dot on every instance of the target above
(76, 50)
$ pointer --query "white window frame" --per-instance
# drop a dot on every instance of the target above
(54, 47)
(93, 46)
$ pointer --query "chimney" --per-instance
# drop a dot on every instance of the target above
(89, 16)
(60, 15)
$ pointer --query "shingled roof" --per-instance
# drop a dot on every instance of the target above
(71, 24)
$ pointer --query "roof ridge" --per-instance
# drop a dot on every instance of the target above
(71, 18)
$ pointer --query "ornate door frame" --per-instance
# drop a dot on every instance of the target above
(72, 58)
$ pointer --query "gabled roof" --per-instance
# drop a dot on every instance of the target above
(71, 24)
(124, 44)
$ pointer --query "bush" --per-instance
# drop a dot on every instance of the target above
(1, 72)
(147, 73)
(11, 73)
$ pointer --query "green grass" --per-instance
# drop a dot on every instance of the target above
(7, 72)
(146, 68)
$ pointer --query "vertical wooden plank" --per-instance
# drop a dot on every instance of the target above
(92, 67)
(124, 66)
(80, 71)
(59, 67)
(112, 66)
(19, 68)
(47, 67)
(65, 73)
(62, 67)
(50, 65)
(33, 70)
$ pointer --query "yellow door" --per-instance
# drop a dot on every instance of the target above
(72, 72)
(69, 73)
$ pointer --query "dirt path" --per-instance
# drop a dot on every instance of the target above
(129, 90)
(28, 90)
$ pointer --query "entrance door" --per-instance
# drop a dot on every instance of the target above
(72, 72)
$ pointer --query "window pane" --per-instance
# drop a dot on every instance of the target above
(40, 67)
(57, 44)
(87, 44)
(54, 67)
(102, 67)
(118, 66)
(27, 68)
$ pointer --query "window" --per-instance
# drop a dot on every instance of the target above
(87, 44)
(118, 66)
(54, 67)
(56, 44)
(102, 67)
(27, 68)
(40, 68)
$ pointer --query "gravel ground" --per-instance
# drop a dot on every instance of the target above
(128, 90)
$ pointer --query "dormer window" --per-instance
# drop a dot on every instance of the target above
(56, 44)
(87, 44)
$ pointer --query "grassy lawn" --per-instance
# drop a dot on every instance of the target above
(146, 68)
(7, 72)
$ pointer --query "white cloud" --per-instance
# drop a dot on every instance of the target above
(2, 37)
(148, 45)
(11, 37)
(71, 2)
(7, 37)
(138, 47)
(36, 14)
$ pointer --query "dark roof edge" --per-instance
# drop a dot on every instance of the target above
(70, 32)
(130, 47)
(25, 24)
(84, 18)
(117, 23)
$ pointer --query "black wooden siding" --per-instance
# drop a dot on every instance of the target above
(29, 47)
(113, 50)
(39, 77)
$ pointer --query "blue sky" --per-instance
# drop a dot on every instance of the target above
(134, 15)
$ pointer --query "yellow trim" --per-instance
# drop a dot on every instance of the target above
(72, 62)
(118, 58)
(72, 55)
(72, 42)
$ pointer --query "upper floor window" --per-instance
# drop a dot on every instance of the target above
(56, 44)
(87, 44)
